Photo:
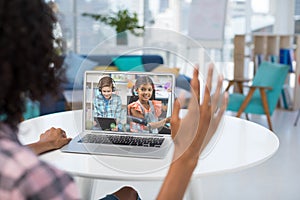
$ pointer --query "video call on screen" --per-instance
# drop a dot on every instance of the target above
(124, 87)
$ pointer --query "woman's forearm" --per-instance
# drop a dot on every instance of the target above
(178, 178)
(39, 147)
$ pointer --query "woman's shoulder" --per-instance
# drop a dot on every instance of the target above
(134, 104)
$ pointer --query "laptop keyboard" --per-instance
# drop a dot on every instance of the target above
(122, 140)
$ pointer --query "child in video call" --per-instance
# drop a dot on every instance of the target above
(146, 107)
(106, 103)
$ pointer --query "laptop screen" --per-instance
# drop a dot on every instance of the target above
(128, 102)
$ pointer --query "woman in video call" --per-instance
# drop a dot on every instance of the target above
(106, 103)
(146, 107)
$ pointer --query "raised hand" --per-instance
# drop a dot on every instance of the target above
(192, 133)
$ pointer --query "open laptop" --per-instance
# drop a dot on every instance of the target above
(105, 123)
(122, 140)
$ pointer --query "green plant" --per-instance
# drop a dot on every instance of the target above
(122, 21)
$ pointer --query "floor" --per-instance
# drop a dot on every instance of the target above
(277, 178)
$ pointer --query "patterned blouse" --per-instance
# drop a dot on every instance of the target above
(24, 176)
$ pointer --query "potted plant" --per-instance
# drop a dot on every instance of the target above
(122, 21)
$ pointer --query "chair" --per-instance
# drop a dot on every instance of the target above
(264, 93)
(32, 109)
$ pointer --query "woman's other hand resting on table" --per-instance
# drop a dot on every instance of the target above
(192, 133)
(52, 139)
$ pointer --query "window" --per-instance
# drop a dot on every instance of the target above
(82, 34)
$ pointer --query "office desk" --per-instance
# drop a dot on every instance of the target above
(243, 144)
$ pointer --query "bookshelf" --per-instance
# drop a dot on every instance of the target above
(268, 47)
(239, 56)
(272, 49)
(259, 50)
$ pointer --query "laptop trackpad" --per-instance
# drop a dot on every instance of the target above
(125, 150)
(113, 149)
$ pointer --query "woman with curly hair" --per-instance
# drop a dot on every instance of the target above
(29, 69)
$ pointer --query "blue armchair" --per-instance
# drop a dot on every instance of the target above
(264, 92)
(32, 109)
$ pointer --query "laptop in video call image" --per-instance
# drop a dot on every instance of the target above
(104, 123)
(123, 133)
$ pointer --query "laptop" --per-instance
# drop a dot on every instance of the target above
(123, 139)
(105, 123)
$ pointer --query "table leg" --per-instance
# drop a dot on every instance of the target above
(297, 118)
(85, 186)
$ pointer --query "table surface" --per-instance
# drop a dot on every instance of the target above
(242, 144)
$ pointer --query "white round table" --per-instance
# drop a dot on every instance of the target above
(242, 144)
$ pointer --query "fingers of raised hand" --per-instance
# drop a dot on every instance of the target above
(207, 101)
(219, 100)
(175, 120)
(209, 76)
(216, 96)
(195, 90)
(222, 107)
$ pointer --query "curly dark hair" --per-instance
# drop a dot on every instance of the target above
(28, 63)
